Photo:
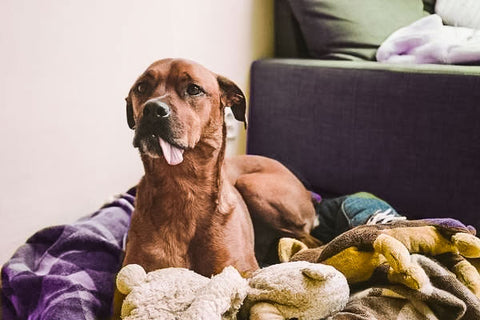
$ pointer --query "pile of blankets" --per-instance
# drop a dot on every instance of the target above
(449, 299)
(67, 272)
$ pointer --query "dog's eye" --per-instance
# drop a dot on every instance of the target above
(141, 88)
(194, 90)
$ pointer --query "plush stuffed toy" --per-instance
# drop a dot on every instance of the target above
(299, 290)
(360, 252)
(178, 293)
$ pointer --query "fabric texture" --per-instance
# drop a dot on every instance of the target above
(351, 30)
(449, 299)
(429, 41)
(375, 259)
(68, 271)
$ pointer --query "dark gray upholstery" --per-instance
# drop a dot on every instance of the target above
(409, 134)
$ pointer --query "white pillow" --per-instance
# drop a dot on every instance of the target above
(459, 13)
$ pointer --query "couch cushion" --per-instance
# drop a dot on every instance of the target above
(352, 30)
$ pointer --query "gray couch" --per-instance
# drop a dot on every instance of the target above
(409, 134)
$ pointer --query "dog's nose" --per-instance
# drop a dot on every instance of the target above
(156, 110)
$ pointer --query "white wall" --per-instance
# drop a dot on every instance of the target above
(65, 69)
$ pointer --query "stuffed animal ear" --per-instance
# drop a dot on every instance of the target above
(130, 118)
(288, 247)
(129, 277)
(314, 274)
(234, 98)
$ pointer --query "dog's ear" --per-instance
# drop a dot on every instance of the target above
(234, 98)
(130, 118)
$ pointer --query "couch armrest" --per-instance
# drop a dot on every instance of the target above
(409, 134)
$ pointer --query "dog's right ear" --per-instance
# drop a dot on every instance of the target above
(130, 118)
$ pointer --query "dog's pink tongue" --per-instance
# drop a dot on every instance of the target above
(172, 154)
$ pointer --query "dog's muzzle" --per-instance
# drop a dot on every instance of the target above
(152, 133)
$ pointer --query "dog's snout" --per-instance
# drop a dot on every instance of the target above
(156, 109)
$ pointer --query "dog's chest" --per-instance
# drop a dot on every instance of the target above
(164, 228)
(155, 245)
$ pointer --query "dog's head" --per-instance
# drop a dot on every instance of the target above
(175, 104)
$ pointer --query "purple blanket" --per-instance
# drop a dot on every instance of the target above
(67, 272)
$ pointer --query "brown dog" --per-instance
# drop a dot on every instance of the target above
(193, 209)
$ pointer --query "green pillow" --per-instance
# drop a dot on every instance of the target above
(351, 29)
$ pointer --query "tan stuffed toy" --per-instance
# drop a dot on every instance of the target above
(359, 252)
(299, 290)
(178, 293)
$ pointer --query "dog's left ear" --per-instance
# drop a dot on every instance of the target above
(130, 118)
(234, 98)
